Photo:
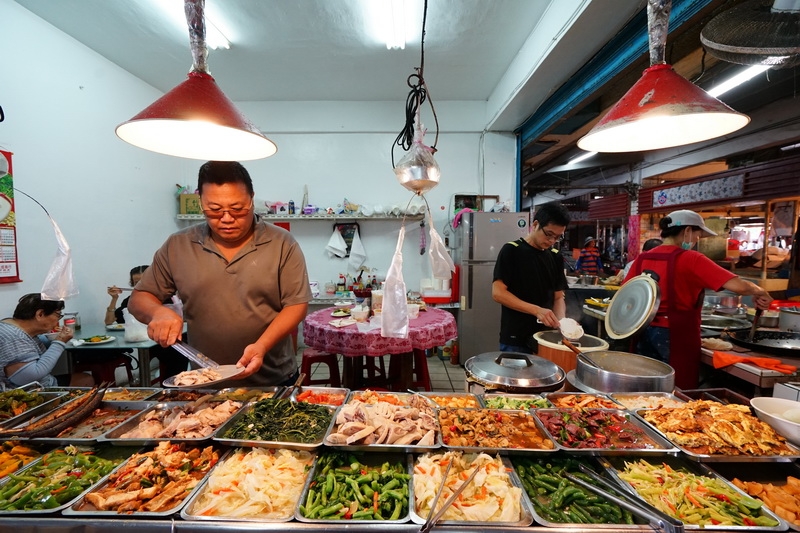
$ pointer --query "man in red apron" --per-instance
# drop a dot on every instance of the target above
(674, 334)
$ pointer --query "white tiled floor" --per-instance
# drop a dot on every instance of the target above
(445, 377)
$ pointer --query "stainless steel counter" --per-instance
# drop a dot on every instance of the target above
(70, 525)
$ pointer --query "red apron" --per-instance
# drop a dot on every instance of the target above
(684, 325)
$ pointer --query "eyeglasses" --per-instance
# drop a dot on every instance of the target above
(59, 314)
(549, 235)
(235, 212)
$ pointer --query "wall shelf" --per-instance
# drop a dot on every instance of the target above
(316, 217)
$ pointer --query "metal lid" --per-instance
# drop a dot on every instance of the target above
(633, 307)
(512, 369)
(552, 339)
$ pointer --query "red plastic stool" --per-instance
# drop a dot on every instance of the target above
(311, 357)
(104, 371)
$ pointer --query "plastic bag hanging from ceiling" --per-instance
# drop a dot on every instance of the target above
(418, 171)
(441, 262)
(394, 313)
(60, 283)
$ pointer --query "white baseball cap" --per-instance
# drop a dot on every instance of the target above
(687, 217)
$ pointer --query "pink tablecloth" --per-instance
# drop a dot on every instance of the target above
(432, 328)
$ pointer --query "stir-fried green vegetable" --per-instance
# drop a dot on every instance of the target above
(504, 402)
(559, 500)
(283, 421)
(345, 488)
(692, 498)
(61, 476)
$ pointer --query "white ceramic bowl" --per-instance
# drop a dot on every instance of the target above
(359, 315)
(51, 336)
(572, 280)
(773, 411)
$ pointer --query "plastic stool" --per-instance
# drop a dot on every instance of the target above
(311, 357)
(104, 371)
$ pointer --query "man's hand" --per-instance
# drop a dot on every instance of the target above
(165, 326)
(547, 317)
(251, 360)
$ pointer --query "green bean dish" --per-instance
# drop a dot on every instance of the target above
(281, 421)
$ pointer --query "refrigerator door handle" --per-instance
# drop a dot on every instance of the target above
(470, 281)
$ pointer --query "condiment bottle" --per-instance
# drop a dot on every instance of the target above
(69, 323)
(291, 207)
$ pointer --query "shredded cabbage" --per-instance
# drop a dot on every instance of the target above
(256, 483)
(490, 497)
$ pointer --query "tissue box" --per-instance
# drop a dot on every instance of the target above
(189, 204)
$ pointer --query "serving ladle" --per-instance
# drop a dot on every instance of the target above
(585, 358)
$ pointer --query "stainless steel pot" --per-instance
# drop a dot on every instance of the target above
(722, 300)
(623, 372)
(512, 372)
(719, 323)
(768, 319)
(789, 319)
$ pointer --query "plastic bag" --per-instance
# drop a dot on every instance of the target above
(60, 283)
(418, 171)
(441, 262)
(135, 331)
(176, 305)
(394, 313)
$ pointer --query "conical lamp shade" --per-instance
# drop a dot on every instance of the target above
(196, 120)
(661, 110)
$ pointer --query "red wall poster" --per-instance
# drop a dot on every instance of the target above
(9, 265)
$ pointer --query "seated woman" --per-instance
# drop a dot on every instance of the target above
(24, 356)
(170, 361)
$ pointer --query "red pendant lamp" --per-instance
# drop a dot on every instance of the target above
(195, 119)
(662, 109)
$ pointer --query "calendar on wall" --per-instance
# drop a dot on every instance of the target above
(9, 264)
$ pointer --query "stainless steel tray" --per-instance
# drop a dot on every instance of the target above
(553, 397)
(135, 394)
(52, 400)
(489, 449)
(664, 446)
(220, 438)
(246, 394)
(774, 473)
(526, 513)
(133, 408)
(386, 448)
(175, 395)
(371, 460)
(614, 465)
(623, 397)
(114, 436)
(404, 397)
(296, 391)
(711, 458)
(592, 463)
(490, 395)
(187, 511)
(467, 395)
(104, 452)
(75, 509)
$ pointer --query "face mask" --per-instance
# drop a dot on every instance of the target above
(687, 245)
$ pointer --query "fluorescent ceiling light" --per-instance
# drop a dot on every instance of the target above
(396, 25)
(790, 147)
(580, 158)
(740, 78)
(215, 39)
(391, 22)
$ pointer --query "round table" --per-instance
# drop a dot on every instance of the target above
(430, 329)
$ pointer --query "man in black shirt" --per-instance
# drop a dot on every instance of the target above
(529, 281)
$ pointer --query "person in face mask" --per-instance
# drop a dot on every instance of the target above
(674, 334)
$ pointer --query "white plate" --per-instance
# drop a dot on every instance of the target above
(226, 371)
(340, 314)
(115, 327)
(110, 338)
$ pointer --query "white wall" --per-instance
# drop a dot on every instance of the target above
(115, 203)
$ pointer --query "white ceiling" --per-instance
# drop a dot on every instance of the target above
(510, 53)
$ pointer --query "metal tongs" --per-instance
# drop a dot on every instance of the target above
(654, 517)
(194, 355)
(433, 518)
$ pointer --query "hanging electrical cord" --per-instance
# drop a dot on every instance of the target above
(416, 97)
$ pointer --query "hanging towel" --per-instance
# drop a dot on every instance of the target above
(722, 359)
(336, 246)
(357, 252)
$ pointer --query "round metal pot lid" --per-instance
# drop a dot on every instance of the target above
(633, 307)
(511, 369)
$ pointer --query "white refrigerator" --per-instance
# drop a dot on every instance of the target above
(477, 241)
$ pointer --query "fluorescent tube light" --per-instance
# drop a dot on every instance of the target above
(396, 25)
(580, 158)
(740, 78)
